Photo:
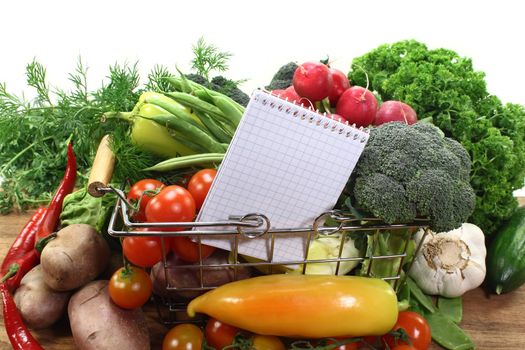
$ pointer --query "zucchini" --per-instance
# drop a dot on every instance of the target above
(506, 255)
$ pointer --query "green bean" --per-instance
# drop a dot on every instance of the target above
(204, 95)
(197, 104)
(199, 90)
(421, 297)
(172, 107)
(446, 333)
(451, 307)
(215, 128)
(228, 108)
(202, 159)
(190, 131)
(185, 85)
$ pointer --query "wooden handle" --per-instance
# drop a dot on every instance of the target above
(102, 169)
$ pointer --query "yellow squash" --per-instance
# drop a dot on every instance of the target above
(310, 306)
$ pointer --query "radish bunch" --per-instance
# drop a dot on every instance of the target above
(317, 85)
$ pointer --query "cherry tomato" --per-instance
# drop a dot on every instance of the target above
(188, 250)
(312, 80)
(130, 288)
(219, 334)
(136, 193)
(142, 251)
(173, 203)
(184, 336)
(200, 184)
(415, 326)
(267, 342)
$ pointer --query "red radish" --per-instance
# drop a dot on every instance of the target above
(339, 84)
(392, 111)
(357, 105)
(336, 117)
(312, 80)
(292, 96)
(288, 93)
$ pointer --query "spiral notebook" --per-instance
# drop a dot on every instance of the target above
(286, 162)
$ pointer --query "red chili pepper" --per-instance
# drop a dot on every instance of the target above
(66, 187)
(19, 268)
(25, 241)
(19, 335)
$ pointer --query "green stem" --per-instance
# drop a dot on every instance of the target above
(13, 269)
(19, 154)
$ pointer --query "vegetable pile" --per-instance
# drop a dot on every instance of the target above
(443, 86)
(442, 152)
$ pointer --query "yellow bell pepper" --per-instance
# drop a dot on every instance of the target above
(310, 306)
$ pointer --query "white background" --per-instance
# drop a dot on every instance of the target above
(262, 35)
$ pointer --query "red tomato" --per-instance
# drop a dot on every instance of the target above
(219, 334)
(184, 336)
(172, 204)
(200, 184)
(415, 326)
(267, 342)
(188, 250)
(312, 80)
(136, 193)
(339, 85)
(142, 251)
(130, 288)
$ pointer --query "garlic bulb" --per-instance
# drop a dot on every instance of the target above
(450, 263)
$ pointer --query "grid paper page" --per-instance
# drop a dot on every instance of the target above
(283, 163)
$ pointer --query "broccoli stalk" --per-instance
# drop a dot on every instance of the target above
(382, 243)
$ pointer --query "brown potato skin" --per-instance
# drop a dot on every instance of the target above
(75, 257)
(39, 305)
(186, 277)
(98, 324)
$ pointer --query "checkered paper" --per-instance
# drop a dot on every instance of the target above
(286, 162)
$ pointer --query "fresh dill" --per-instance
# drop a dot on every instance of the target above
(208, 58)
(34, 134)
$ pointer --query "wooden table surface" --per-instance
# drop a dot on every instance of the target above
(494, 322)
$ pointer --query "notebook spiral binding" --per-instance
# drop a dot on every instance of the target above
(297, 110)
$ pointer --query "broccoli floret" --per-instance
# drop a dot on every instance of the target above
(412, 170)
(461, 153)
(283, 78)
(199, 79)
(229, 88)
(441, 198)
(385, 198)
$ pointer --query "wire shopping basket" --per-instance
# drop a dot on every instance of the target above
(172, 298)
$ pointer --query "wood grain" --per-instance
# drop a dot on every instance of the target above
(494, 322)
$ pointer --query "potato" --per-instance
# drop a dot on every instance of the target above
(39, 305)
(75, 257)
(97, 323)
(185, 277)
